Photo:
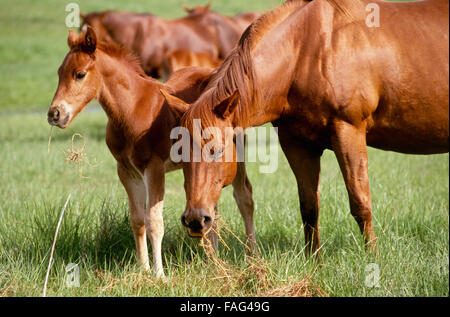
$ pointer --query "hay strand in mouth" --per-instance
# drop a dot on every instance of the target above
(50, 139)
(77, 155)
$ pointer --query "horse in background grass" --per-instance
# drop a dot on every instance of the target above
(243, 19)
(177, 59)
(151, 37)
(327, 81)
(138, 129)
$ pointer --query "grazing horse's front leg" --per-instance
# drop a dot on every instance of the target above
(137, 197)
(305, 163)
(242, 193)
(154, 176)
(350, 148)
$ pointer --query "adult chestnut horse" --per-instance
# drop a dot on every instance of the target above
(138, 130)
(151, 37)
(328, 81)
(244, 19)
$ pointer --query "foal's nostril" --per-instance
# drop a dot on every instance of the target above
(56, 114)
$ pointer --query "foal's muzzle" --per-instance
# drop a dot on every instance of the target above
(198, 222)
(58, 116)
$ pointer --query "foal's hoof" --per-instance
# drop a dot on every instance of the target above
(162, 278)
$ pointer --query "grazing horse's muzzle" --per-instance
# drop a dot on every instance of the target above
(58, 116)
(198, 222)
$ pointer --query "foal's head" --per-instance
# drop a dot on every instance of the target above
(79, 80)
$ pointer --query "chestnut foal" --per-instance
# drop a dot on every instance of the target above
(138, 129)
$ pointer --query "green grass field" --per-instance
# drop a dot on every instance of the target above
(410, 199)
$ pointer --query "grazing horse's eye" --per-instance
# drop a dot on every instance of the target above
(81, 75)
(216, 154)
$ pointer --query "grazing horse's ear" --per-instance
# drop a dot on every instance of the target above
(187, 9)
(72, 39)
(90, 41)
(227, 106)
(177, 105)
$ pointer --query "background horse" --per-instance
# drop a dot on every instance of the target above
(138, 130)
(328, 81)
(150, 37)
(177, 59)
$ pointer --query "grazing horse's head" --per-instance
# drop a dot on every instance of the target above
(215, 167)
(78, 79)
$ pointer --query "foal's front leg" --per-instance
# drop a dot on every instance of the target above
(137, 197)
(154, 182)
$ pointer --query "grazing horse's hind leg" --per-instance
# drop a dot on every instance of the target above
(242, 193)
(137, 197)
(305, 163)
(350, 148)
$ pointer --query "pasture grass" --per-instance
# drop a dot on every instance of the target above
(410, 202)
(410, 198)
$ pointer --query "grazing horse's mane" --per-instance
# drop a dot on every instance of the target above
(237, 71)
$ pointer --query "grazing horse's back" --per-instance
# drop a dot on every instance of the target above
(393, 77)
(413, 112)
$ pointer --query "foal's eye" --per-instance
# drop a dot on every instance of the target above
(81, 75)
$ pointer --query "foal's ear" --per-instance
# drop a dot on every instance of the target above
(177, 105)
(227, 106)
(90, 41)
(72, 39)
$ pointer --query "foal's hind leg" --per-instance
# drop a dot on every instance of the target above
(349, 145)
(242, 193)
(305, 163)
(137, 197)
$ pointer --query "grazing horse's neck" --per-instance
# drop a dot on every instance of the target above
(264, 90)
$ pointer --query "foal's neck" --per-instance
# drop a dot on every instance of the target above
(122, 92)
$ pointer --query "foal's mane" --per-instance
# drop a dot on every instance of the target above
(113, 50)
(123, 54)
(237, 72)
